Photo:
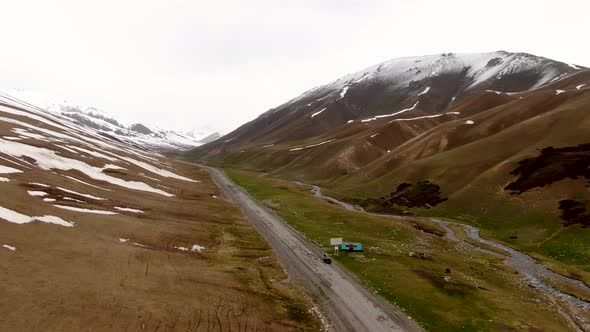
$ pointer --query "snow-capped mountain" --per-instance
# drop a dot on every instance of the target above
(210, 138)
(497, 140)
(203, 133)
(144, 135)
(400, 88)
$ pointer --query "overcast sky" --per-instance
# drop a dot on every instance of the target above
(190, 64)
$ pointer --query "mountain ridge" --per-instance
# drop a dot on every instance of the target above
(466, 140)
(147, 136)
(435, 81)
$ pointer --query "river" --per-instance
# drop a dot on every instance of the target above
(529, 268)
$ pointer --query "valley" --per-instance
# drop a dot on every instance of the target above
(350, 307)
(452, 145)
(301, 166)
(418, 265)
(464, 176)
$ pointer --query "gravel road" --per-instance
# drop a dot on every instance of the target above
(348, 305)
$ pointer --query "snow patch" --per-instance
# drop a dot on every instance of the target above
(268, 145)
(580, 86)
(48, 199)
(343, 92)
(19, 163)
(350, 121)
(4, 179)
(573, 66)
(8, 170)
(25, 133)
(71, 150)
(92, 153)
(76, 209)
(158, 171)
(469, 122)
(425, 91)
(37, 193)
(389, 115)
(11, 248)
(128, 209)
(425, 117)
(49, 159)
(77, 134)
(197, 247)
(73, 200)
(374, 135)
(311, 146)
(85, 183)
(122, 240)
(40, 184)
(557, 92)
(19, 218)
(113, 167)
(80, 194)
(318, 112)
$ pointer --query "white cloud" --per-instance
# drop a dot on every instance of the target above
(185, 64)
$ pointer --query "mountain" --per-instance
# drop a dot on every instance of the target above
(202, 132)
(140, 134)
(210, 138)
(496, 139)
(96, 232)
(398, 89)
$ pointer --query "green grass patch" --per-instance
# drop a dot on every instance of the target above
(478, 292)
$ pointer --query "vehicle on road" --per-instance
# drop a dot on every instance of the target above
(327, 259)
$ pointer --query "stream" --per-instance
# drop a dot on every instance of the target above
(534, 272)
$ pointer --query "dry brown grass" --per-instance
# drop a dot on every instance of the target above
(84, 278)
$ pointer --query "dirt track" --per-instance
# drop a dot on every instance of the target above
(349, 306)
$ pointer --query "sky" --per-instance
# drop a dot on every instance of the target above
(214, 65)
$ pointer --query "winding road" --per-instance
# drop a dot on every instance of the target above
(348, 305)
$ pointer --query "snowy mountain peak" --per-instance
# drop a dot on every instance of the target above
(400, 90)
(100, 120)
(476, 68)
(479, 66)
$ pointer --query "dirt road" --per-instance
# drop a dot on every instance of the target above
(348, 305)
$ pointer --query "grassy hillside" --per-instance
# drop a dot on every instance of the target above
(472, 164)
(474, 177)
(96, 235)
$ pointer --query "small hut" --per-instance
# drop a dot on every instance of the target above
(351, 246)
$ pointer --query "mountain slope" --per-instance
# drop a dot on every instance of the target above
(458, 126)
(139, 134)
(397, 89)
(97, 234)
